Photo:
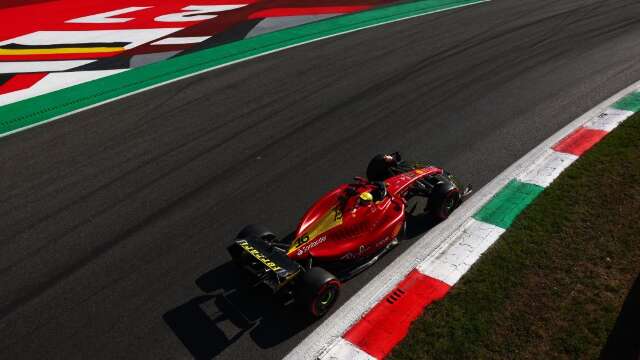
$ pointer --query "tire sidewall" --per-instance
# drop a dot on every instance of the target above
(333, 285)
(442, 212)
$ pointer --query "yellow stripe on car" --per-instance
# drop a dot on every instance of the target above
(327, 222)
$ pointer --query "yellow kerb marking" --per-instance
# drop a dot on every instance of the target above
(59, 51)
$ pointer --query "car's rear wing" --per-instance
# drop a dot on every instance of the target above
(265, 263)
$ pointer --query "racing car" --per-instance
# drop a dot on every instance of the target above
(345, 231)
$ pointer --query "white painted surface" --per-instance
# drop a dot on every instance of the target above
(547, 168)
(342, 349)
(53, 82)
(134, 37)
(181, 40)
(452, 260)
(608, 119)
(17, 67)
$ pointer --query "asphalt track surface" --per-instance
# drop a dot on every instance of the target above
(114, 220)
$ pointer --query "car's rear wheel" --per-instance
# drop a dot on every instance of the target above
(318, 291)
(402, 233)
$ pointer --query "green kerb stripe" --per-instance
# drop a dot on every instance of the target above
(630, 102)
(508, 203)
(42, 108)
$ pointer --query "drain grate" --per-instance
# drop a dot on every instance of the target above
(395, 295)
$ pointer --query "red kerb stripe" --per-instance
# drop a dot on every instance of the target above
(388, 322)
(579, 141)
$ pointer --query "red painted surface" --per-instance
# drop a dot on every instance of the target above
(21, 81)
(14, 3)
(52, 15)
(24, 17)
(579, 141)
(388, 322)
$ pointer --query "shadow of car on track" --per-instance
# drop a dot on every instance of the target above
(210, 323)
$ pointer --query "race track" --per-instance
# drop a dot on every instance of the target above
(114, 220)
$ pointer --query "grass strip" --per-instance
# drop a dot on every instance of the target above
(553, 285)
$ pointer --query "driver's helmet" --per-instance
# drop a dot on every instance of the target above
(365, 198)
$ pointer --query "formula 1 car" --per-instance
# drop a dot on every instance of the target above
(345, 231)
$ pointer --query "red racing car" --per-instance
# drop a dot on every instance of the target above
(345, 231)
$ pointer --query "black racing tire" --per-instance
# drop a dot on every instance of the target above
(317, 291)
(444, 198)
(378, 169)
(254, 231)
(403, 235)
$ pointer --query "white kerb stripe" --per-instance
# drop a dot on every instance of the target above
(547, 168)
(133, 37)
(449, 265)
(181, 40)
(15, 67)
(341, 349)
(608, 119)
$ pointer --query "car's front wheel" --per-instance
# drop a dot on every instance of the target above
(444, 198)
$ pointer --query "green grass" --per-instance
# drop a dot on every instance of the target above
(553, 285)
